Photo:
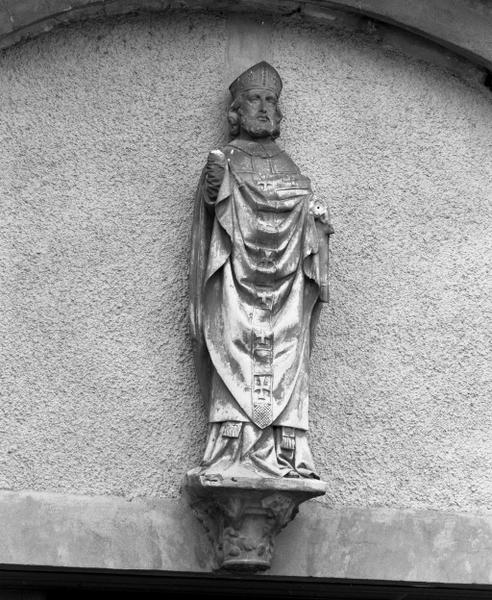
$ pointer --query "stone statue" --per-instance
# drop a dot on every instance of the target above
(259, 270)
(258, 274)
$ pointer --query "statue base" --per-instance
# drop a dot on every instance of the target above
(242, 515)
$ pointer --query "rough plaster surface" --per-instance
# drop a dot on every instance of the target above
(104, 129)
(356, 543)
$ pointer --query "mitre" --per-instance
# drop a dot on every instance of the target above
(262, 75)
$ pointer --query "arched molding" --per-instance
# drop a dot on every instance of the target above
(462, 26)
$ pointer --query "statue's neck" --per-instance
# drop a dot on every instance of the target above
(244, 135)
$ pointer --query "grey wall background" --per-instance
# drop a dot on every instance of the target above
(104, 129)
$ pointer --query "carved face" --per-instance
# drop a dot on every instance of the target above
(258, 113)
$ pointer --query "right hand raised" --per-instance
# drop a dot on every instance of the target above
(214, 170)
(216, 158)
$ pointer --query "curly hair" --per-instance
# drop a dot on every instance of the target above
(233, 117)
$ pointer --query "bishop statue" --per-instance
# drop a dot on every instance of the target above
(258, 275)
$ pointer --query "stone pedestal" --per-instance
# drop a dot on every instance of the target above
(243, 515)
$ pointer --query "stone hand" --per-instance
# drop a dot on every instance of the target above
(216, 157)
(320, 212)
(214, 169)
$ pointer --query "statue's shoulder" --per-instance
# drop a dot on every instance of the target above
(238, 158)
(229, 150)
(283, 163)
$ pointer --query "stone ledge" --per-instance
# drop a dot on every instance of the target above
(311, 487)
(357, 543)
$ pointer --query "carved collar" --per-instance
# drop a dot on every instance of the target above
(264, 150)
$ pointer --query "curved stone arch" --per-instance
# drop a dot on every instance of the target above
(462, 26)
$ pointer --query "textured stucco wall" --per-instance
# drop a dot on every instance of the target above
(104, 129)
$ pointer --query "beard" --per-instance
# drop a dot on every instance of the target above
(257, 128)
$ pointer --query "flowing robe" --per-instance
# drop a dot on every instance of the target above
(255, 283)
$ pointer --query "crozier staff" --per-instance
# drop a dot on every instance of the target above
(259, 269)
